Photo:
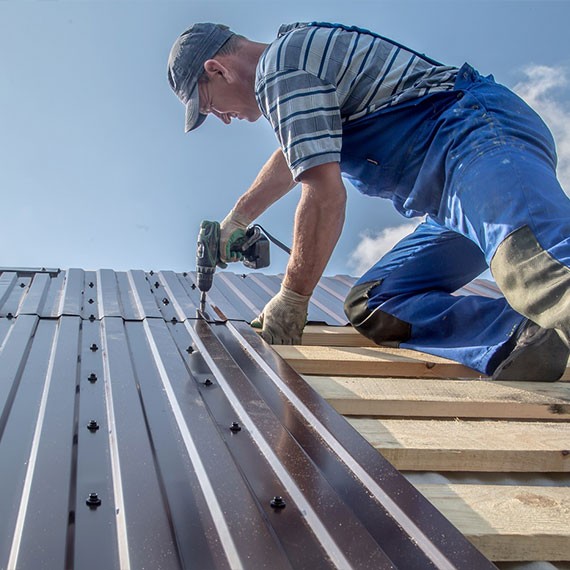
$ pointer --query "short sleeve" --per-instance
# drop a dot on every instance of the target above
(305, 115)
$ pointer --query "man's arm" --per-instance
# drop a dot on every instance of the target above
(318, 224)
(273, 182)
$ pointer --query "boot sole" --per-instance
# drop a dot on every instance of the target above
(543, 360)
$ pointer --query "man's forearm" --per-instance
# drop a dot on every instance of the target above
(318, 224)
(273, 182)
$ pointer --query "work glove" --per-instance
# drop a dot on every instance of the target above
(283, 318)
(232, 229)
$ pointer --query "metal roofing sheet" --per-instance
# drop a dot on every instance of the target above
(136, 295)
(148, 442)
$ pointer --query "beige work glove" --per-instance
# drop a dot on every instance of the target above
(232, 229)
(283, 318)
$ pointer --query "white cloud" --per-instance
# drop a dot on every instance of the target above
(373, 246)
(542, 88)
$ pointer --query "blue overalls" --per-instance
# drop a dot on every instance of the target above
(481, 164)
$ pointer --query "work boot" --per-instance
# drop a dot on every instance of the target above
(538, 355)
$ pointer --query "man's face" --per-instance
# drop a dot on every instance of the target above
(227, 101)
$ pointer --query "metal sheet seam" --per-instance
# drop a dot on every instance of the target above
(331, 292)
(319, 530)
(122, 535)
(218, 517)
(19, 527)
(326, 310)
(136, 295)
(239, 294)
(407, 524)
(263, 286)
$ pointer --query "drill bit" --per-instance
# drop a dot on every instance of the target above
(203, 301)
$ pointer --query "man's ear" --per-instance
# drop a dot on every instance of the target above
(213, 67)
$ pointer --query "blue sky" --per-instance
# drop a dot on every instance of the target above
(96, 171)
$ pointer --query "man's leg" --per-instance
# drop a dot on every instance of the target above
(407, 297)
(504, 195)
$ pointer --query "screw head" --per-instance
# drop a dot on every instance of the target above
(235, 427)
(92, 377)
(278, 503)
(92, 425)
(190, 350)
(91, 285)
(165, 301)
(208, 382)
(93, 501)
(157, 284)
(94, 348)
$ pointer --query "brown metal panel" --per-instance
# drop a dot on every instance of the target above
(35, 295)
(41, 540)
(139, 408)
(17, 438)
(73, 297)
(8, 281)
(115, 459)
(13, 354)
(143, 295)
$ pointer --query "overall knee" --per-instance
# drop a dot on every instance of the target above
(374, 324)
(534, 283)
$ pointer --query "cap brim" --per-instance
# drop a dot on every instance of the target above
(193, 116)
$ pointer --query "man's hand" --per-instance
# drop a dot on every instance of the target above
(232, 229)
(283, 318)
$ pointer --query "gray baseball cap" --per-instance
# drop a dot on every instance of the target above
(193, 47)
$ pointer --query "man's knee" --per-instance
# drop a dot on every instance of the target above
(534, 283)
(374, 324)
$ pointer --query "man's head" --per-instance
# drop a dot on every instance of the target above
(212, 70)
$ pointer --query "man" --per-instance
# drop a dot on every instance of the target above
(437, 141)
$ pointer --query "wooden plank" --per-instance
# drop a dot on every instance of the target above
(458, 445)
(377, 361)
(508, 523)
(413, 397)
(324, 335)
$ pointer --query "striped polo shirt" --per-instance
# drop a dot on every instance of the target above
(315, 77)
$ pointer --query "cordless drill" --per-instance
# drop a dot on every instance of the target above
(254, 248)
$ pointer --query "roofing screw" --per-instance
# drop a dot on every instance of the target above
(189, 350)
(185, 274)
(208, 382)
(157, 284)
(235, 427)
(22, 285)
(92, 425)
(165, 301)
(91, 318)
(91, 301)
(92, 377)
(174, 320)
(9, 316)
(93, 501)
(151, 272)
(91, 284)
(193, 286)
(278, 503)
(94, 347)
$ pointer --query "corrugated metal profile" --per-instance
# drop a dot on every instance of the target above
(175, 444)
(136, 295)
